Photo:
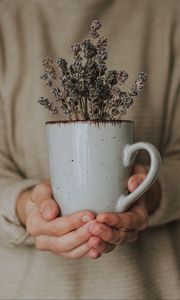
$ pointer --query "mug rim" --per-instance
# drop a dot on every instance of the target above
(89, 121)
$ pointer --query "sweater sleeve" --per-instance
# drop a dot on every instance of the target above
(169, 178)
(12, 183)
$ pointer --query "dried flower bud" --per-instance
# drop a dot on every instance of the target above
(102, 42)
(62, 64)
(112, 77)
(76, 48)
(102, 68)
(47, 62)
(89, 49)
(122, 77)
(95, 25)
(87, 89)
(101, 55)
(133, 90)
(142, 76)
(45, 102)
(56, 92)
(44, 76)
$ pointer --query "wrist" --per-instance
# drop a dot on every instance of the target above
(21, 204)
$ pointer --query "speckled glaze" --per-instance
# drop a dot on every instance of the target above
(90, 163)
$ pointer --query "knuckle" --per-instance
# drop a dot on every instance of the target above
(101, 231)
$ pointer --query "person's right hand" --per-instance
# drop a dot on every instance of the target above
(68, 235)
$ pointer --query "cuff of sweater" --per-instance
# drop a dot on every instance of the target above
(11, 229)
(169, 208)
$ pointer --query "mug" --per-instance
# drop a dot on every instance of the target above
(90, 163)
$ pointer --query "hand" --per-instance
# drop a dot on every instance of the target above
(67, 236)
(118, 228)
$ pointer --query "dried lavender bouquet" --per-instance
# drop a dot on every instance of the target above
(85, 89)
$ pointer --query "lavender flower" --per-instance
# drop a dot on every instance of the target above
(85, 89)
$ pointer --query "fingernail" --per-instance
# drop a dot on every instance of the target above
(85, 218)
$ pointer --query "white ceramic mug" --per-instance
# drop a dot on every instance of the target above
(90, 164)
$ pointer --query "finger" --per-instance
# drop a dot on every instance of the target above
(78, 252)
(66, 242)
(97, 250)
(139, 209)
(94, 241)
(93, 253)
(108, 234)
(49, 210)
(135, 180)
(42, 198)
(36, 225)
(135, 219)
(97, 243)
(41, 192)
(100, 248)
(111, 235)
(137, 168)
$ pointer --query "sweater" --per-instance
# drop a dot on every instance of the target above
(143, 35)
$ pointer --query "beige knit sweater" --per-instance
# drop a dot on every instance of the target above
(144, 36)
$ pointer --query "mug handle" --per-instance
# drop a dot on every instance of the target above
(124, 202)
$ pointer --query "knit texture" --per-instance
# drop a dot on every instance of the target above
(143, 36)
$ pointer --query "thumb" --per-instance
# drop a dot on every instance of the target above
(134, 181)
(46, 205)
(50, 210)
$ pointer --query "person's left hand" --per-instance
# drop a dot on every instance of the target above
(117, 228)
